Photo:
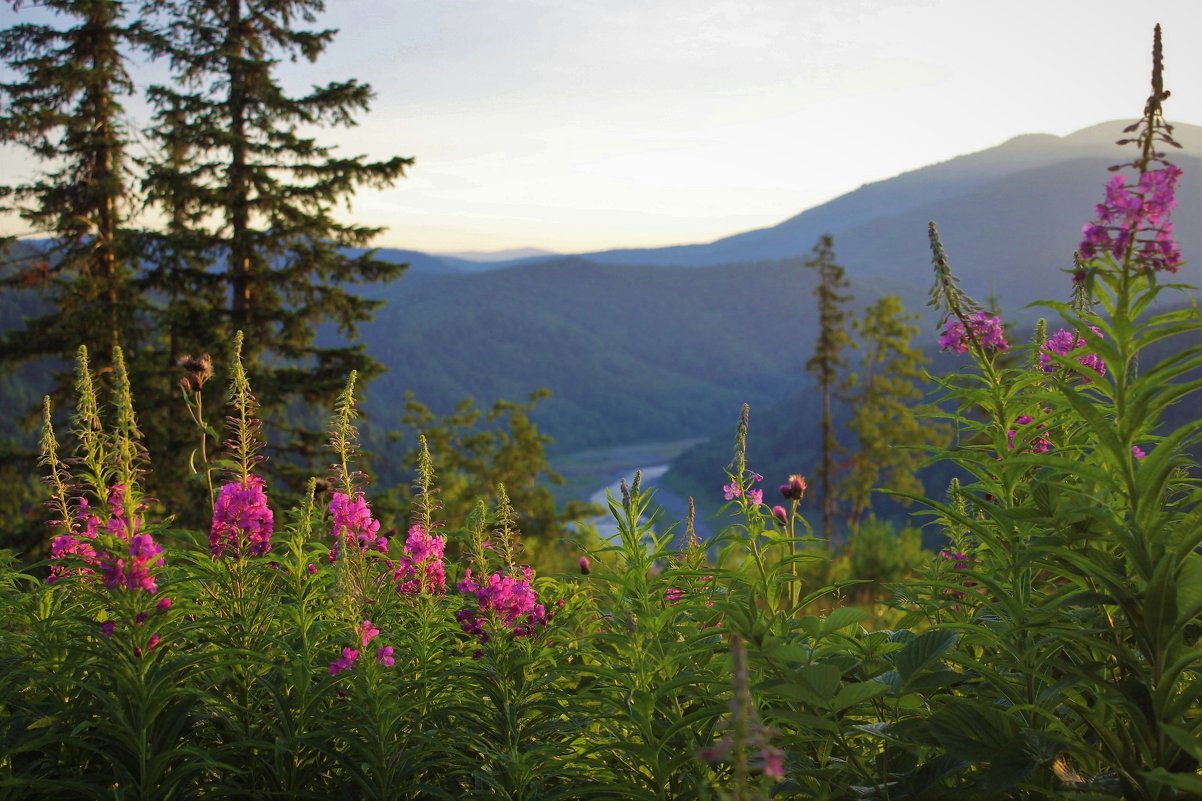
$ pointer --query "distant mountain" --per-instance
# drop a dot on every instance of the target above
(939, 187)
(629, 353)
(634, 352)
(490, 256)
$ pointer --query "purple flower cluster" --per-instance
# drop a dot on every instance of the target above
(733, 490)
(985, 327)
(959, 559)
(421, 566)
(365, 632)
(1065, 342)
(76, 546)
(353, 523)
(131, 570)
(241, 515)
(1038, 445)
(134, 573)
(1136, 219)
(508, 599)
(344, 662)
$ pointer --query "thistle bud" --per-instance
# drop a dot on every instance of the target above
(794, 489)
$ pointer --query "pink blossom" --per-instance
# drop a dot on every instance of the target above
(731, 491)
(421, 567)
(507, 599)
(772, 762)
(1065, 342)
(1038, 445)
(134, 574)
(367, 632)
(345, 662)
(384, 655)
(353, 524)
(756, 496)
(1135, 219)
(781, 514)
(1137, 452)
(241, 518)
(986, 328)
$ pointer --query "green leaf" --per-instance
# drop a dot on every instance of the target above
(922, 651)
(974, 732)
(841, 618)
(1190, 782)
(858, 693)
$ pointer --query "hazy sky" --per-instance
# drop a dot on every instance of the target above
(585, 124)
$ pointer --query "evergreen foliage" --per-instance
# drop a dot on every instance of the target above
(64, 106)
(252, 243)
(826, 364)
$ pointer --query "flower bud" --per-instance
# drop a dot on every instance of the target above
(794, 489)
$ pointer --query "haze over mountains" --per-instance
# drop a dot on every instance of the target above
(666, 343)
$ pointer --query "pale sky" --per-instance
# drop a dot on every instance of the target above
(577, 125)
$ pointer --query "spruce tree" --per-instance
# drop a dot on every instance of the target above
(251, 242)
(828, 361)
(69, 277)
(64, 106)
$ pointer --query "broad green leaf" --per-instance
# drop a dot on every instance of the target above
(842, 617)
(922, 651)
(851, 694)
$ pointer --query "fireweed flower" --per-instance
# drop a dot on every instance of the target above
(985, 327)
(1137, 452)
(1038, 445)
(421, 566)
(384, 655)
(345, 662)
(74, 547)
(731, 491)
(134, 574)
(756, 496)
(241, 515)
(367, 632)
(1065, 342)
(353, 523)
(1134, 219)
(510, 600)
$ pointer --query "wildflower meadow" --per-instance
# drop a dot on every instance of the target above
(1051, 651)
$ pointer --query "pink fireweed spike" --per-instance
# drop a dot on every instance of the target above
(1134, 220)
(985, 327)
(1065, 342)
(353, 524)
(421, 567)
(241, 515)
